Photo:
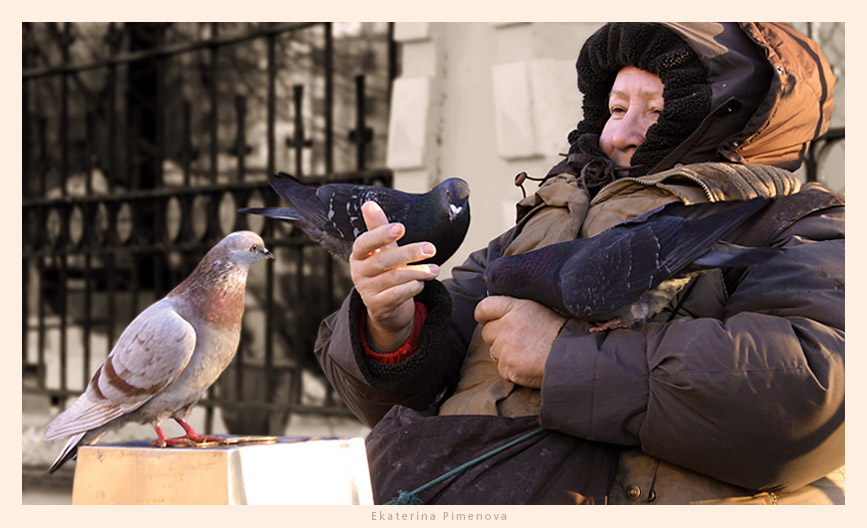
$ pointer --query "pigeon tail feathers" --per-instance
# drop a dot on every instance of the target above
(82, 416)
(281, 213)
(70, 450)
(308, 205)
(727, 255)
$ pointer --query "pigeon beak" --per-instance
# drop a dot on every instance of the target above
(454, 211)
(267, 254)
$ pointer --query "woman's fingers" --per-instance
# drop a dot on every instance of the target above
(374, 240)
(379, 232)
(389, 299)
(399, 275)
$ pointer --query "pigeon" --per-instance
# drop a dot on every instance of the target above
(169, 354)
(627, 274)
(331, 214)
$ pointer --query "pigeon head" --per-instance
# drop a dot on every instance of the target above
(527, 276)
(441, 216)
(456, 194)
(243, 248)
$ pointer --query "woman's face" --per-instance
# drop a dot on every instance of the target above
(634, 103)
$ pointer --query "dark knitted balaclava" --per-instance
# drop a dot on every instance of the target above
(686, 92)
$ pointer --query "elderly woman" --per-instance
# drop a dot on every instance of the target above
(734, 394)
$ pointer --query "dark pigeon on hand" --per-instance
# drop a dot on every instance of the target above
(630, 272)
(331, 214)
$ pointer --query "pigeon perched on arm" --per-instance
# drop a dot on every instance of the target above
(630, 272)
(169, 354)
(331, 214)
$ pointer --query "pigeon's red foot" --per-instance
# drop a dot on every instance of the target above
(608, 325)
(192, 438)
(195, 438)
(161, 438)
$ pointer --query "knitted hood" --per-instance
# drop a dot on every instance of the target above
(737, 92)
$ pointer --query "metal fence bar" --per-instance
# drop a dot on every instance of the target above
(393, 55)
(240, 136)
(111, 289)
(328, 66)
(113, 39)
(819, 148)
(64, 111)
(43, 154)
(64, 272)
(165, 193)
(214, 122)
(299, 142)
(362, 135)
(26, 154)
(272, 158)
(170, 50)
(26, 175)
(159, 111)
(187, 141)
(40, 305)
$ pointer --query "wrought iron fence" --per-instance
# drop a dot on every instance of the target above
(136, 161)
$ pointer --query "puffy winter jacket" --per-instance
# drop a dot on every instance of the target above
(739, 398)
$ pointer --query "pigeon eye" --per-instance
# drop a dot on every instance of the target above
(448, 193)
(254, 247)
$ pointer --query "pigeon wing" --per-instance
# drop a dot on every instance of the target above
(343, 206)
(149, 356)
(683, 239)
(610, 270)
(331, 214)
(617, 266)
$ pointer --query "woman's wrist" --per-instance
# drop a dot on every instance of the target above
(387, 341)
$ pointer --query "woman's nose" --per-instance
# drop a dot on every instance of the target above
(630, 134)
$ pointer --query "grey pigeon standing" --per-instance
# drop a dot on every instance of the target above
(169, 355)
(331, 214)
(630, 272)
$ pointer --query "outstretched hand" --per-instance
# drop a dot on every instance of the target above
(382, 275)
(520, 333)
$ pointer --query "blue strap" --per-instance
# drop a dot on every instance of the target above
(411, 497)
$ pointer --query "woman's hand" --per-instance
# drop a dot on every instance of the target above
(383, 277)
(520, 333)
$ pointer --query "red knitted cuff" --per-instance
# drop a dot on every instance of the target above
(406, 350)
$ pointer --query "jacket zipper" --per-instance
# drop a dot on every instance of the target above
(700, 183)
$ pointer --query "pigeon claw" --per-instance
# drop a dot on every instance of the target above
(180, 441)
(608, 325)
(210, 440)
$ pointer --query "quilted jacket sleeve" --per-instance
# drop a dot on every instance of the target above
(755, 398)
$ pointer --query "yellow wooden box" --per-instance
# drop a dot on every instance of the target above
(269, 470)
